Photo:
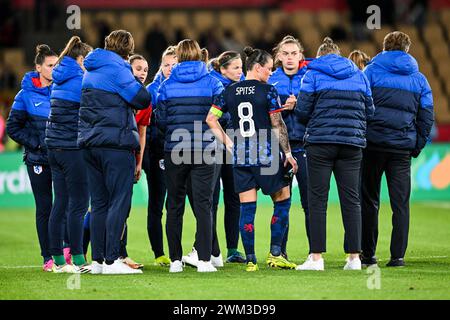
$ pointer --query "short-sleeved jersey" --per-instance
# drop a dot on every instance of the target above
(143, 116)
(250, 103)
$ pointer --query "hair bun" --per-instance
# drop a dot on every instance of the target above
(204, 51)
(249, 51)
(288, 37)
(328, 40)
(42, 49)
(205, 55)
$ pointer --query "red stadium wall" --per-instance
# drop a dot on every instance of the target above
(285, 4)
(160, 4)
(314, 5)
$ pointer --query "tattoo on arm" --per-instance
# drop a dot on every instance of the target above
(281, 131)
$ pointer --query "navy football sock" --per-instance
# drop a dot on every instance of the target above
(247, 228)
(285, 239)
(279, 225)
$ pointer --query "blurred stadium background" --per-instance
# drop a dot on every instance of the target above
(229, 25)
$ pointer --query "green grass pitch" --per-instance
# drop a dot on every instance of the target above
(427, 275)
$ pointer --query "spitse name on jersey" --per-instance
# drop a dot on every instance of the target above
(250, 104)
(245, 90)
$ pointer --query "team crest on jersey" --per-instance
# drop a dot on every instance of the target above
(37, 169)
(161, 164)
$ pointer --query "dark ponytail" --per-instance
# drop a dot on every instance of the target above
(43, 51)
(248, 51)
(255, 56)
(75, 48)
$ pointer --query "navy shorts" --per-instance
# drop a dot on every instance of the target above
(247, 178)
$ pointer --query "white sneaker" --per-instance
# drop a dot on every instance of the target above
(176, 266)
(96, 268)
(67, 268)
(191, 258)
(118, 267)
(217, 261)
(205, 266)
(353, 264)
(310, 264)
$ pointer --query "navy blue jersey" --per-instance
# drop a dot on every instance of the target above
(250, 103)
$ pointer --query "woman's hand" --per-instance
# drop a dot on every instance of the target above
(292, 161)
(137, 172)
(290, 103)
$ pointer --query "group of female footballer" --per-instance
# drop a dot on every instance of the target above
(89, 126)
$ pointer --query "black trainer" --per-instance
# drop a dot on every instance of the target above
(396, 263)
(367, 262)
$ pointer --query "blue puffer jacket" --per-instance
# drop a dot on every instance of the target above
(403, 102)
(185, 99)
(62, 125)
(287, 85)
(109, 92)
(155, 139)
(225, 120)
(28, 117)
(334, 101)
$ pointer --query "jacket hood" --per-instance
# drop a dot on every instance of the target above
(31, 82)
(334, 65)
(304, 63)
(189, 71)
(159, 78)
(67, 69)
(398, 62)
(101, 58)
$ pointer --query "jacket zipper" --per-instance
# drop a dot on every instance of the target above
(290, 86)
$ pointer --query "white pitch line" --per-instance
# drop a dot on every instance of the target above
(430, 257)
(415, 258)
(424, 257)
(436, 204)
(18, 267)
